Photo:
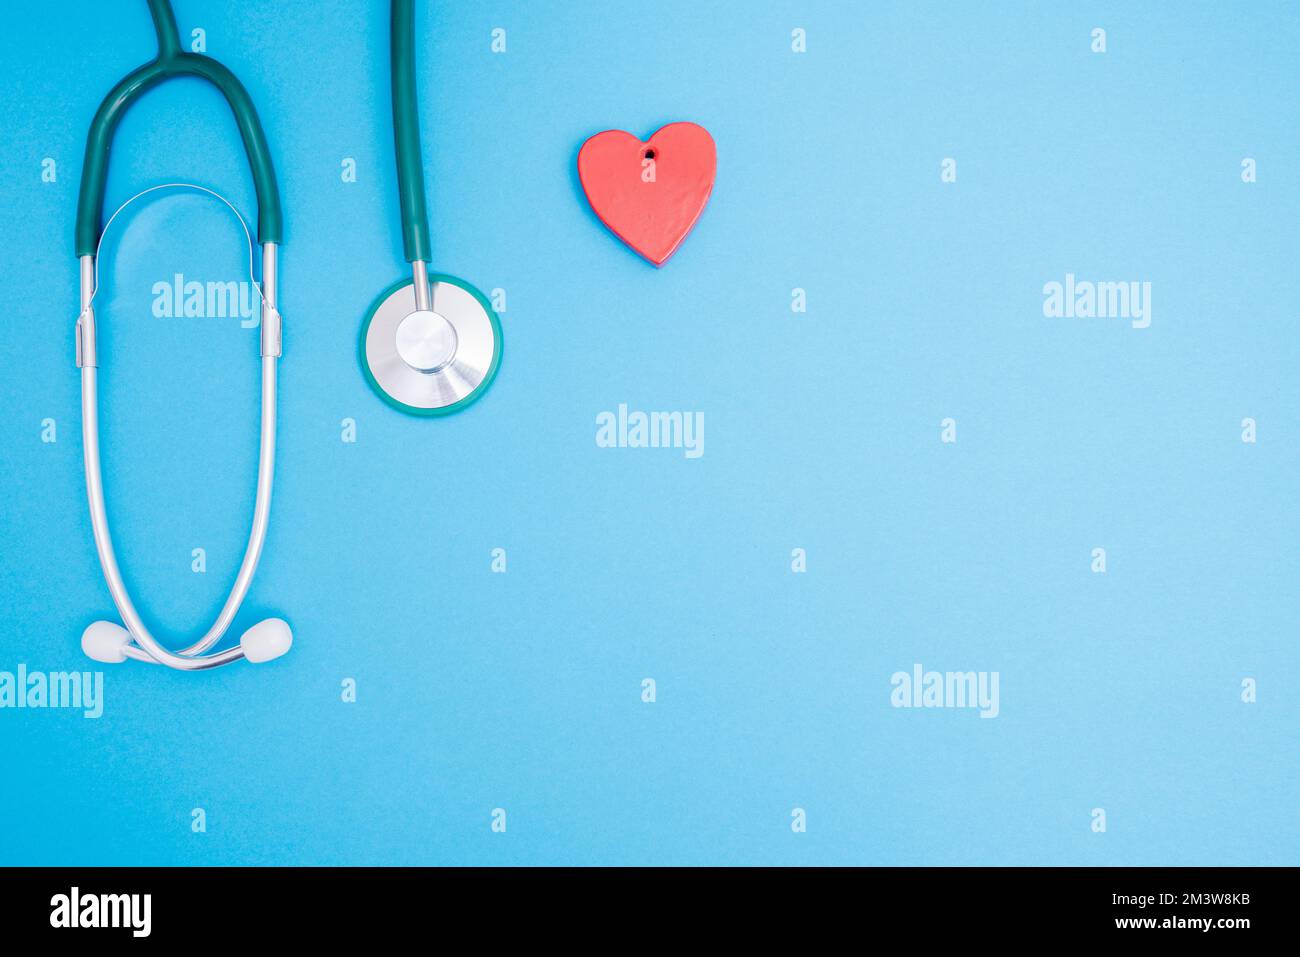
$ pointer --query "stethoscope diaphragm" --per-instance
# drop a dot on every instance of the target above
(431, 361)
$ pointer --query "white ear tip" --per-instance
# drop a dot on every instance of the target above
(105, 641)
(266, 640)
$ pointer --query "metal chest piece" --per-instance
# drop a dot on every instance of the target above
(431, 358)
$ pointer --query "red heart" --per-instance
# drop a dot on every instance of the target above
(649, 194)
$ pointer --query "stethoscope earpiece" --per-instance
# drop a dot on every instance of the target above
(267, 640)
(105, 642)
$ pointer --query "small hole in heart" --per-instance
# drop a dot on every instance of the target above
(649, 154)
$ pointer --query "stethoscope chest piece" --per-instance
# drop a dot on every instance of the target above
(432, 360)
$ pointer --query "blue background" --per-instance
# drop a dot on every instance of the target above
(522, 691)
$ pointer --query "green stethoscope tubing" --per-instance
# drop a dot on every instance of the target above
(414, 213)
(406, 135)
(170, 63)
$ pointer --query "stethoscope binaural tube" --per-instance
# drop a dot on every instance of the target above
(429, 345)
(105, 641)
(170, 63)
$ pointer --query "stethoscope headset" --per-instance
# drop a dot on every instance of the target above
(107, 641)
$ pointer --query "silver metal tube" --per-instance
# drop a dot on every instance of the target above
(149, 649)
(104, 542)
(271, 325)
(85, 329)
(87, 275)
(270, 276)
(420, 280)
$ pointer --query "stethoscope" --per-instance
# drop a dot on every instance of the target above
(431, 344)
(106, 641)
